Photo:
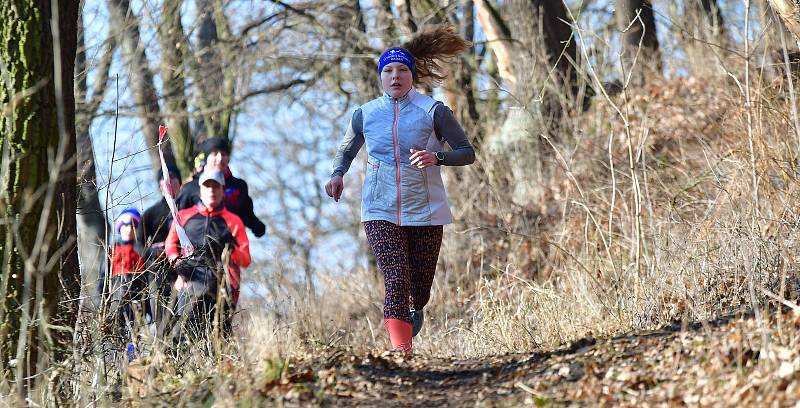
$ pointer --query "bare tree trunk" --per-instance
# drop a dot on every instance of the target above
(562, 52)
(173, 73)
(65, 285)
(641, 56)
(92, 223)
(140, 77)
(789, 12)
(714, 16)
(40, 278)
(406, 16)
(215, 73)
(544, 57)
(385, 22)
(467, 69)
(459, 89)
(536, 56)
(535, 26)
(498, 36)
(229, 72)
(208, 73)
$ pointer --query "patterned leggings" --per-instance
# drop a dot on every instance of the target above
(407, 257)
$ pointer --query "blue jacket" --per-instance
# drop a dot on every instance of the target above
(393, 189)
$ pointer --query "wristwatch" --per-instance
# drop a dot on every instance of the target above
(439, 158)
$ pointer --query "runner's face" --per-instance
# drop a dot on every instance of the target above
(396, 79)
(217, 160)
(127, 232)
(211, 194)
(172, 187)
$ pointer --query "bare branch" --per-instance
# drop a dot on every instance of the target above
(497, 35)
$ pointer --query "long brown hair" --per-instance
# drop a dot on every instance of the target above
(432, 47)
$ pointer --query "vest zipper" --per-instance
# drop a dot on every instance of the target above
(397, 157)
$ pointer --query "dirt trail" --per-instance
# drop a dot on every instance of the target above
(735, 361)
(712, 363)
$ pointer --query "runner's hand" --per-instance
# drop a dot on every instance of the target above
(334, 187)
(422, 158)
(180, 284)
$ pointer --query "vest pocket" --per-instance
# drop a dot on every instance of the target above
(371, 181)
(416, 206)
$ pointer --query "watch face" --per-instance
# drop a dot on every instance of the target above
(439, 156)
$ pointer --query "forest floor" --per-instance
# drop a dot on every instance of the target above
(741, 359)
(701, 364)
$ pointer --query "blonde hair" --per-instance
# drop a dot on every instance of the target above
(431, 48)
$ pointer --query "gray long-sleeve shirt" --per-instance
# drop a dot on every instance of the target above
(444, 123)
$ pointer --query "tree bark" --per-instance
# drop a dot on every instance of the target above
(140, 78)
(498, 36)
(536, 56)
(229, 72)
(173, 73)
(562, 52)
(713, 15)
(406, 16)
(789, 12)
(207, 70)
(544, 53)
(385, 22)
(459, 89)
(39, 275)
(215, 72)
(637, 24)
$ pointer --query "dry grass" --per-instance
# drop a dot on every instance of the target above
(571, 261)
(643, 213)
(585, 260)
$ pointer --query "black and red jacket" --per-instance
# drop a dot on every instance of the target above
(209, 232)
(237, 200)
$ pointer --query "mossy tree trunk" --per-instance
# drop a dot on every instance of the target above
(39, 276)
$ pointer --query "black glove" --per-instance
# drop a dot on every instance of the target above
(196, 269)
(259, 229)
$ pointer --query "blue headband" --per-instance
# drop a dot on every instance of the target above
(397, 55)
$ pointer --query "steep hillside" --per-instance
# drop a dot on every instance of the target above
(668, 282)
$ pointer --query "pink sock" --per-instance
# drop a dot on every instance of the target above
(399, 334)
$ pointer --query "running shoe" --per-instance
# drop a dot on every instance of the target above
(417, 318)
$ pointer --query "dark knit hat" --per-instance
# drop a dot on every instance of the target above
(216, 144)
(173, 170)
(128, 216)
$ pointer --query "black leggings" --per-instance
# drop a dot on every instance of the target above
(125, 289)
(197, 303)
(407, 257)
